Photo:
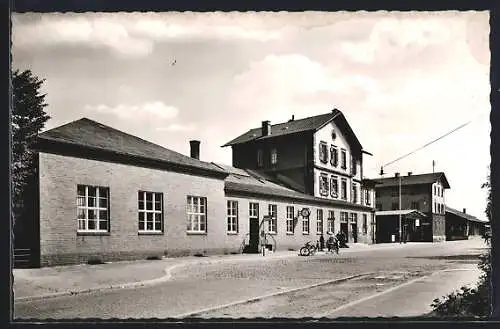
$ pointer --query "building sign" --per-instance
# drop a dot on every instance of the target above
(305, 212)
(417, 222)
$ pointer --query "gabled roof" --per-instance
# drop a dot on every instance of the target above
(413, 180)
(312, 123)
(93, 135)
(464, 215)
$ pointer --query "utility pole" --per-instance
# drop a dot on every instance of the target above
(400, 235)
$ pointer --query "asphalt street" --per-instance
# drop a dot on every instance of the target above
(202, 290)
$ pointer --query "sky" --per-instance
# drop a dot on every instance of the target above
(401, 80)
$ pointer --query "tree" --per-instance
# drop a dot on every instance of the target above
(28, 119)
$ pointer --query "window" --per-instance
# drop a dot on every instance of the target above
(196, 214)
(343, 189)
(232, 216)
(354, 167)
(395, 206)
(334, 186)
(253, 210)
(290, 214)
(150, 211)
(305, 225)
(368, 196)
(319, 221)
(354, 195)
(274, 157)
(435, 207)
(344, 159)
(442, 192)
(273, 221)
(354, 218)
(334, 156)
(343, 216)
(323, 152)
(260, 158)
(415, 205)
(92, 208)
(365, 223)
(379, 206)
(323, 184)
(330, 221)
(435, 190)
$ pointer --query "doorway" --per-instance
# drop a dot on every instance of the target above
(344, 228)
(253, 240)
(354, 233)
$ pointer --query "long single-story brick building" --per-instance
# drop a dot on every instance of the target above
(109, 195)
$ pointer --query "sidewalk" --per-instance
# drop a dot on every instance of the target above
(47, 282)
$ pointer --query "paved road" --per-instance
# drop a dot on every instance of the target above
(195, 289)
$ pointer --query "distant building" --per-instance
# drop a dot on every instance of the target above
(460, 225)
(108, 195)
(424, 195)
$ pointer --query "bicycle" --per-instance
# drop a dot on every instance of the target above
(308, 249)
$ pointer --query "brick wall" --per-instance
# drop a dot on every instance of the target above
(284, 240)
(60, 244)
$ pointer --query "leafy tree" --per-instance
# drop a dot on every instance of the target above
(471, 302)
(28, 119)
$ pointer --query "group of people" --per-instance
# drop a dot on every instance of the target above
(334, 241)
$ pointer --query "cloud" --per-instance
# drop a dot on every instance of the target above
(131, 34)
(152, 110)
(175, 127)
(280, 85)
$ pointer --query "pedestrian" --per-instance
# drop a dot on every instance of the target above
(322, 242)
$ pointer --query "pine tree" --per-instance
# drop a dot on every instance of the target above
(28, 119)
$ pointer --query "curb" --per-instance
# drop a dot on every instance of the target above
(249, 300)
(129, 285)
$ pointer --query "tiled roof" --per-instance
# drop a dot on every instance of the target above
(402, 212)
(413, 180)
(256, 184)
(94, 135)
(464, 215)
(300, 125)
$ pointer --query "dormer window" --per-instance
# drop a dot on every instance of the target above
(334, 156)
(274, 157)
(323, 152)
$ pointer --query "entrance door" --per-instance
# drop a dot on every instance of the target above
(354, 233)
(344, 228)
(253, 240)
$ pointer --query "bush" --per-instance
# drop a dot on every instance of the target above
(468, 302)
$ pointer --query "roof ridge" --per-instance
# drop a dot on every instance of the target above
(102, 125)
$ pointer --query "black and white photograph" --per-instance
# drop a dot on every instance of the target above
(243, 165)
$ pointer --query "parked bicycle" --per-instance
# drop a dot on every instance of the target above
(308, 249)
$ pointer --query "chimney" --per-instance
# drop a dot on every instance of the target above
(396, 175)
(464, 211)
(409, 173)
(195, 149)
(293, 118)
(266, 128)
